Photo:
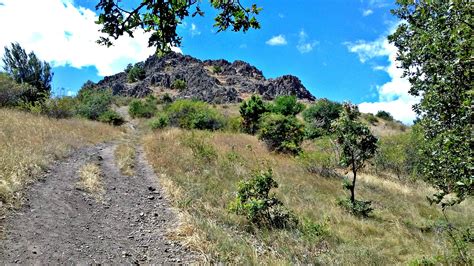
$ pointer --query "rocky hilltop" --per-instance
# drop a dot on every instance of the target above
(213, 81)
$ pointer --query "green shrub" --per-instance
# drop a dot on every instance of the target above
(251, 112)
(286, 105)
(63, 107)
(319, 117)
(179, 84)
(143, 108)
(358, 208)
(281, 133)
(371, 119)
(202, 151)
(234, 124)
(93, 103)
(12, 93)
(135, 73)
(159, 122)
(262, 209)
(111, 117)
(191, 114)
(166, 98)
(216, 69)
(384, 115)
(121, 100)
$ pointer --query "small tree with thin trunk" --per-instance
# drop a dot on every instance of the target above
(357, 146)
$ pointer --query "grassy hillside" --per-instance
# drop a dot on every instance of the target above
(30, 142)
(200, 171)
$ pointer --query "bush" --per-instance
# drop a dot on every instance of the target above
(251, 112)
(319, 117)
(202, 151)
(159, 122)
(281, 133)
(287, 105)
(371, 119)
(143, 109)
(358, 208)
(384, 115)
(111, 117)
(262, 209)
(191, 114)
(135, 73)
(93, 103)
(178, 84)
(234, 124)
(12, 93)
(166, 98)
(216, 69)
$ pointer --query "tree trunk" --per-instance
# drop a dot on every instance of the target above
(354, 172)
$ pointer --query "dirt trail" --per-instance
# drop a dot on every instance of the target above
(60, 224)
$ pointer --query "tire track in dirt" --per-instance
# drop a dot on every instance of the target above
(59, 223)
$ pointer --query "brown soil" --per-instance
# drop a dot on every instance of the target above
(61, 224)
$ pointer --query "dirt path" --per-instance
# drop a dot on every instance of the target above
(60, 224)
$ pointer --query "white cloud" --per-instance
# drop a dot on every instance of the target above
(277, 40)
(281, 15)
(367, 12)
(194, 30)
(393, 95)
(63, 34)
(305, 46)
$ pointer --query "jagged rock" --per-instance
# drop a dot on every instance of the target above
(234, 82)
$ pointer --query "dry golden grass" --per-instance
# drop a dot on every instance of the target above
(125, 155)
(91, 180)
(28, 143)
(201, 185)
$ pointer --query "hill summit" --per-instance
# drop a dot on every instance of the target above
(213, 81)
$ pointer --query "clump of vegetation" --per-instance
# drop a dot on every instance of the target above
(111, 117)
(287, 105)
(319, 116)
(357, 146)
(371, 119)
(179, 85)
(143, 108)
(125, 155)
(93, 103)
(91, 180)
(216, 69)
(166, 98)
(191, 114)
(255, 202)
(12, 93)
(135, 73)
(384, 115)
(281, 133)
(251, 112)
(200, 148)
(323, 160)
(159, 122)
(29, 69)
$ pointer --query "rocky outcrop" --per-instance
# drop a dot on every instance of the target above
(214, 81)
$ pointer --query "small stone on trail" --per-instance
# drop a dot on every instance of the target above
(151, 197)
(151, 188)
(99, 158)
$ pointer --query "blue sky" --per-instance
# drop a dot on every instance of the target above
(338, 48)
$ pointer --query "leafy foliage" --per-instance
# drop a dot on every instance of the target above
(162, 18)
(216, 69)
(135, 73)
(111, 117)
(93, 103)
(259, 206)
(358, 207)
(435, 48)
(251, 112)
(194, 115)
(159, 122)
(287, 105)
(28, 68)
(319, 117)
(140, 108)
(179, 84)
(384, 115)
(356, 141)
(12, 93)
(281, 133)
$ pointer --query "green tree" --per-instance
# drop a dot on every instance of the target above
(162, 18)
(384, 115)
(320, 115)
(135, 73)
(356, 141)
(281, 133)
(28, 68)
(251, 112)
(436, 50)
(287, 105)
